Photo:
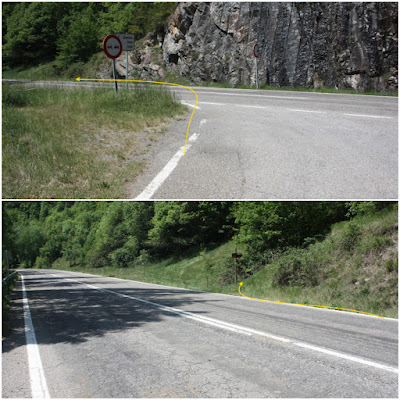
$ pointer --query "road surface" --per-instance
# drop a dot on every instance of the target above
(250, 144)
(270, 145)
(105, 337)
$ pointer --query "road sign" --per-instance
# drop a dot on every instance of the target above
(256, 51)
(127, 40)
(112, 46)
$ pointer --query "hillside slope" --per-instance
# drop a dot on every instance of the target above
(355, 267)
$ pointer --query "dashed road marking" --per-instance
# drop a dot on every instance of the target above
(367, 116)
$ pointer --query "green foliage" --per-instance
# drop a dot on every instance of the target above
(80, 40)
(29, 240)
(297, 268)
(350, 236)
(32, 32)
(180, 225)
(266, 226)
(356, 208)
(72, 31)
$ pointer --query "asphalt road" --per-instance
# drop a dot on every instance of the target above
(279, 145)
(104, 337)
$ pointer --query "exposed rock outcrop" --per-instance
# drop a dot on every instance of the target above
(343, 45)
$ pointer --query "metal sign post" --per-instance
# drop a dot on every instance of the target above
(115, 76)
(128, 44)
(127, 72)
(256, 52)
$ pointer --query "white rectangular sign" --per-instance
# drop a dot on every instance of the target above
(127, 40)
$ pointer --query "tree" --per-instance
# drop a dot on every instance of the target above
(109, 236)
(178, 226)
(81, 39)
(32, 32)
(29, 240)
(72, 31)
(266, 226)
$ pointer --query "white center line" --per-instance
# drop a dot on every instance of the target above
(306, 111)
(246, 106)
(213, 104)
(247, 331)
(189, 105)
(368, 116)
(36, 372)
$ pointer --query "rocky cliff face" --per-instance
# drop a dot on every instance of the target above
(343, 45)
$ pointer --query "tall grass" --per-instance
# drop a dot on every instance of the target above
(79, 143)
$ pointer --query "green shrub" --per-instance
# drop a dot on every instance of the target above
(350, 236)
(296, 268)
(42, 262)
(122, 258)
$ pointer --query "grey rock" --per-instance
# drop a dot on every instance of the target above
(333, 44)
(343, 45)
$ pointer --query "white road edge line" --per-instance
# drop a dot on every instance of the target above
(246, 331)
(155, 184)
(36, 372)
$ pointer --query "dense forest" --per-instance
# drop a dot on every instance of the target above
(72, 31)
(126, 234)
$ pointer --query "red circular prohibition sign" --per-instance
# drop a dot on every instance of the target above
(256, 51)
(112, 46)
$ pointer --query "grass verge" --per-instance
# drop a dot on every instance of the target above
(79, 143)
